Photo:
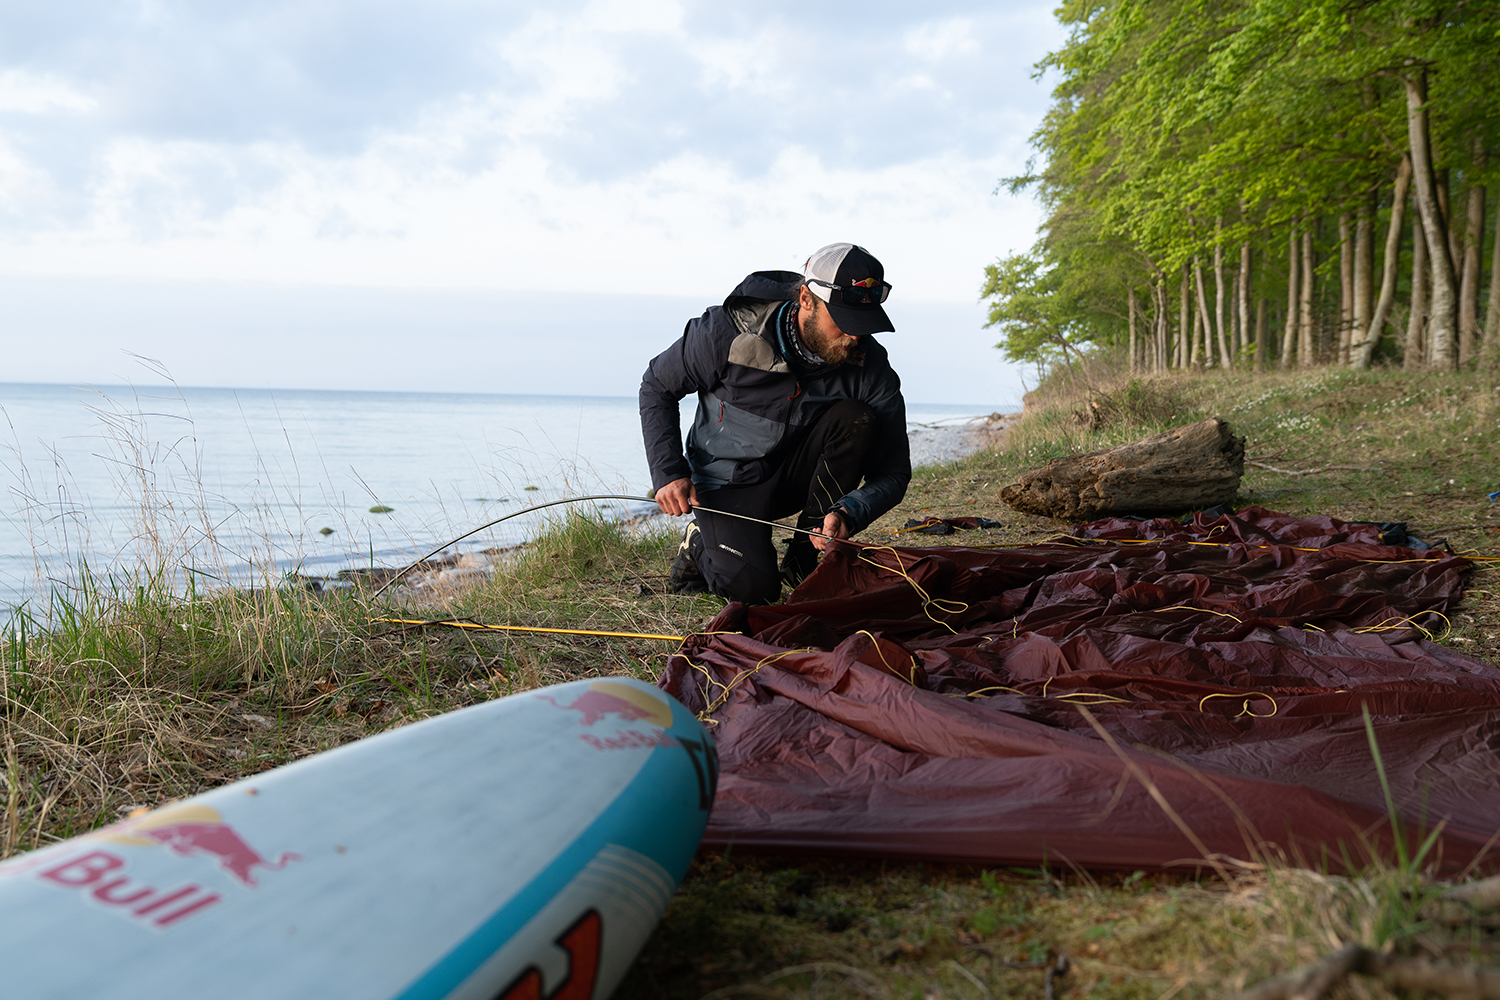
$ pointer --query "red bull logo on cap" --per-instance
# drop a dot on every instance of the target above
(197, 831)
(623, 700)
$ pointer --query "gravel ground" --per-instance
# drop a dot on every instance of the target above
(936, 444)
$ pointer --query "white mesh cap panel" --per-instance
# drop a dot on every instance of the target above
(824, 265)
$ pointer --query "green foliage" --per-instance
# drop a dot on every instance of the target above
(1181, 125)
(1037, 321)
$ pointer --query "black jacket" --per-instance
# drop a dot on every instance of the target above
(753, 402)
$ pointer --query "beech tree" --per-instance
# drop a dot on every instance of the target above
(1201, 155)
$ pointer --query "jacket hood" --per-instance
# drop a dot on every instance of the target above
(765, 286)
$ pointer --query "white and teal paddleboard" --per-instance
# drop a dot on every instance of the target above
(523, 849)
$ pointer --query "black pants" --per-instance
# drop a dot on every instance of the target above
(737, 558)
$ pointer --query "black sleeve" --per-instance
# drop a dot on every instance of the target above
(688, 366)
(889, 472)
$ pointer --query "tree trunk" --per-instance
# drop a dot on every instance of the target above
(1183, 323)
(1244, 294)
(1346, 287)
(1134, 364)
(1442, 333)
(1206, 341)
(1306, 352)
(1492, 310)
(1364, 267)
(1444, 193)
(1289, 334)
(1416, 323)
(1197, 343)
(1371, 334)
(1154, 339)
(1164, 332)
(1468, 287)
(1260, 334)
(1196, 465)
(1226, 356)
(1232, 325)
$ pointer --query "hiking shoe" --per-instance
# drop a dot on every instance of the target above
(800, 559)
(686, 577)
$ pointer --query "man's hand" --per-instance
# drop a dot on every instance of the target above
(834, 527)
(677, 497)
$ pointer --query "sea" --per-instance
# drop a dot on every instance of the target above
(242, 487)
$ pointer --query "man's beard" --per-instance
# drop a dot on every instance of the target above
(820, 340)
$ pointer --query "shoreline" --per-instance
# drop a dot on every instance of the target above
(931, 445)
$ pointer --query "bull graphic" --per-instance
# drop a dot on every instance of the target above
(190, 831)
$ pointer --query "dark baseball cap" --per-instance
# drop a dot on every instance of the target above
(851, 282)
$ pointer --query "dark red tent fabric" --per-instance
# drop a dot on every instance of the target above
(926, 703)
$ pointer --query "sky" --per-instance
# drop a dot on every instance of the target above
(491, 196)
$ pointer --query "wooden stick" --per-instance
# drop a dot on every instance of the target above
(1418, 974)
(1310, 472)
(1054, 972)
(1481, 895)
(1311, 982)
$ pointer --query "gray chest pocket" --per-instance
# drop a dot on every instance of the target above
(723, 430)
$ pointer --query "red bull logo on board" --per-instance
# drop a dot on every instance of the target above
(622, 700)
(100, 876)
(197, 831)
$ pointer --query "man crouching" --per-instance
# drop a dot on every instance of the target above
(799, 410)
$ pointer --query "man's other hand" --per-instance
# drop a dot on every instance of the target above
(834, 527)
(677, 497)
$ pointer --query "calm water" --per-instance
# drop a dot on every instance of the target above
(236, 485)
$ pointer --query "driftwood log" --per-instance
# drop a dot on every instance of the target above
(1413, 975)
(1196, 465)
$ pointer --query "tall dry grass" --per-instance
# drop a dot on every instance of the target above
(138, 676)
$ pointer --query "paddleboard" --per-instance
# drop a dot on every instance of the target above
(523, 849)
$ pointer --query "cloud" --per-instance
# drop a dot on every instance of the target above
(604, 88)
(34, 94)
(935, 41)
(622, 147)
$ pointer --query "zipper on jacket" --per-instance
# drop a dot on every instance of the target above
(797, 393)
(721, 411)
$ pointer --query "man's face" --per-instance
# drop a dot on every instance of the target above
(821, 334)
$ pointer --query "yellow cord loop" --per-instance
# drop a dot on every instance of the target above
(1100, 698)
(915, 663)
(996, 687)
(1394, 624)
(1245, 708)
(725, 690)
(1211, 611)
(928, 601)
(1095, 697)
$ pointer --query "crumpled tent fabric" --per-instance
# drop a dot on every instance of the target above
(951, 703)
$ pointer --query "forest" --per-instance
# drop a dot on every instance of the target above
(1263, 183)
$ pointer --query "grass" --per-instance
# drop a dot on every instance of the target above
(134, 695)
(1429, 443)
(137, 696)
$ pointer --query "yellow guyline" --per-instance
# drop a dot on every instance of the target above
(1062, 539)
(532, 628)
(900, 570)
